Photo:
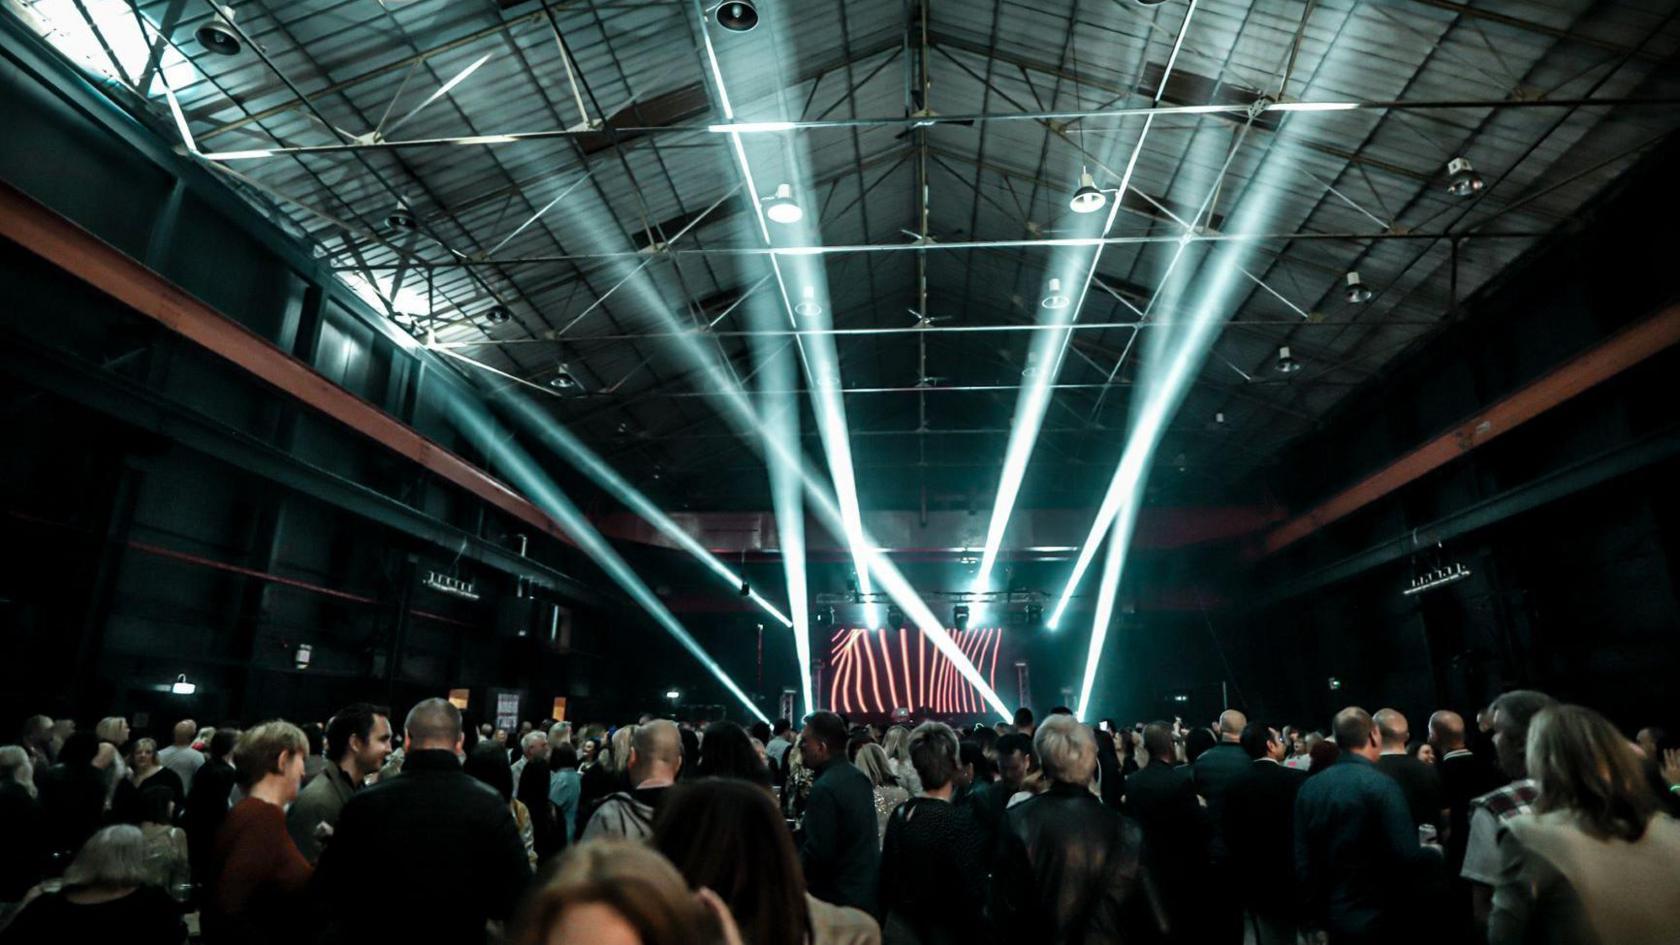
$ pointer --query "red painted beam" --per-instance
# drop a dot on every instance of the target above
(83, 255)
(1568, 380)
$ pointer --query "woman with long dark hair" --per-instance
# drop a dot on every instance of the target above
(726, 751)
(726, 835)
(1596, 861)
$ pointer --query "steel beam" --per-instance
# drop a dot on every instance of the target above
(1564, 382)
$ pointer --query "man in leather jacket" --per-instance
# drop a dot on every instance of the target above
(1069, 869)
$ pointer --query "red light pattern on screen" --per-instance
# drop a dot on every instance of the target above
(866, 669)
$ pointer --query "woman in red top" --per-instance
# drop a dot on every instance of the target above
(257, 876)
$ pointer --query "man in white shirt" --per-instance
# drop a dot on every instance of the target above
(181, 757)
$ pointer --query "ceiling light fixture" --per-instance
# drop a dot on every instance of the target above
(1462, 179)
(497, 314)
(181, 687)
(808, 305)
(1286, 364)
(1087, 199)
(563, 379)
(1053, 297)
(218, 36)
(737, 16)
(401, 220)
(1357, 291)
(780, 208)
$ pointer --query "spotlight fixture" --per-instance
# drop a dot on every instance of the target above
(737, 16)
(1033, 614)
(780, 208)
(895, 616)
(1053, 297)
(497, 314)
(1334, 683)
(746, 589)
(401, 221)
(808, 305)
(181, 687)
(1087, 199)
(959, 617)
(564, 379)
(823, 618)
(1357, 291)
(218, 36)
(1462, 179)
(1149, 3)
(1285, 363)
(674, 695)
(304, 654)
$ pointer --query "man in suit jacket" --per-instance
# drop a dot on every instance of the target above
(839, 849)
(1260, 837)
(1214, 773)
(1175, 835)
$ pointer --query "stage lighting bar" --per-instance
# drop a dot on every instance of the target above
(1175, 370)
(527, 476)
(1049, 348)
(590, 463)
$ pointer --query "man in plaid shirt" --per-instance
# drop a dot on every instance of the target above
(1511, 714)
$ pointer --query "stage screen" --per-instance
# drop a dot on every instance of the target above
(869, 673)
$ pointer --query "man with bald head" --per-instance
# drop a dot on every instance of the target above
(437, 841)
(1357, 855)
(1464, 777)
(1215, 773)
(181, 757)
(655, 758)
(1420, 782)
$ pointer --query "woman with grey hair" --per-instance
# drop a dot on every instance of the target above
(872, 760)
(24, 828)
(935, 855)
(107, 895)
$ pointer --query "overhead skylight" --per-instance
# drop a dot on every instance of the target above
(64, 26)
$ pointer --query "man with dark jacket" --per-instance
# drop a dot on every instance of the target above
(839, 849)
(435, 839)
(207, 802)
(1357, 856)
(1215, 772)
(1162, 798)
(1069, 869)
(1260, 838)
(358, 742)
(1420, 782)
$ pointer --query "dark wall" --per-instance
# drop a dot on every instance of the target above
(164, 513)
(1568, 524)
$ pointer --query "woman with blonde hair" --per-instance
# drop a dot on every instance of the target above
(144, 772)
(872, 760)
(108, 895)
(897, 745)
(619, 892)
(1596, 861)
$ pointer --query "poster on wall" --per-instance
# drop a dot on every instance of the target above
(559, 713)
(507, 711)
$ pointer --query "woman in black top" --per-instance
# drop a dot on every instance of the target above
(109, 895)
(144, 771)
(933, 858)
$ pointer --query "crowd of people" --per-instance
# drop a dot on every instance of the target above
(1539, 822)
